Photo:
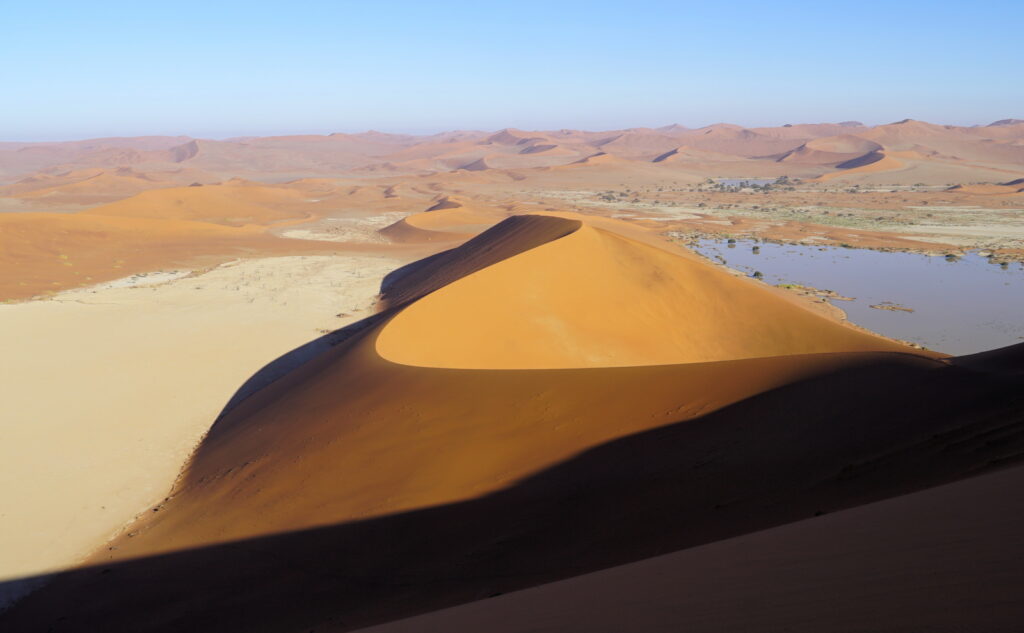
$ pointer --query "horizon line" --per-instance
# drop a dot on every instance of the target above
(421, 133)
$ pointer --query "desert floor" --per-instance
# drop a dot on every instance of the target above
(129, 377)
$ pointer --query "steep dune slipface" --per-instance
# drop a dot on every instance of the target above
(515, 235)
(831, 150)
(599, 159)
(871, 163)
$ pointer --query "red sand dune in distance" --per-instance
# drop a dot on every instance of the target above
(982, 150)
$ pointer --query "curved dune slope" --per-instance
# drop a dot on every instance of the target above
(833, 150)
(600, 158)
(45, 252)
(232, 205)
(515, 235)
(872, 162)
(596, 298)
(450, 219)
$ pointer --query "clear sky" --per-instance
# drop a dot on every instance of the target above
(220, 68)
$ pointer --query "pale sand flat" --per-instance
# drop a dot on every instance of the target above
(106, 391)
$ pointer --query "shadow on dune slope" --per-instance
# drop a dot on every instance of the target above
(357, 490)
(942, 560)
(885, 427)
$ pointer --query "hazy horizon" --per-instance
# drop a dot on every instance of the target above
(248, 69)
(430, 132)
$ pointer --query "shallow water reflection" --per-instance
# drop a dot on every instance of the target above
(959, 307)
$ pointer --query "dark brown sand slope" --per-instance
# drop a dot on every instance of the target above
(362, 489)
(858, 570)
(887, 427)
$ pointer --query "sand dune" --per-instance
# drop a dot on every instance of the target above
(609, 295)
(231, 204)
(600, 158)
(339, 495)
(691, 154)
(904, 134)
(513, 137)
(990, 190)
(123, 180)
(870, 163)
(450, 219)
(638, 144)
(479, 164)
(739, 141)
(834, 150)
(160, 227)
(48, 252)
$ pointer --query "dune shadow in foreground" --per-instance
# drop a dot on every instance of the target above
(836, 441)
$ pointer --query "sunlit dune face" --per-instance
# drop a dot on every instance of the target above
(226, 205)
(595, 298)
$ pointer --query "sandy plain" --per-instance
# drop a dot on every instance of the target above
(84, 394)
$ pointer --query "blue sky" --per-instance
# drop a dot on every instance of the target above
(223, 68)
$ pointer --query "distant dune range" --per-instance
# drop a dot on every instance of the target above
(939, 153)
(147, 203)
(558, 395)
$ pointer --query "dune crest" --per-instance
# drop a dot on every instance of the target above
(595, 298)
(450, 219)
(235, 203)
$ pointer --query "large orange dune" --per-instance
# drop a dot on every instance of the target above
(613, 302)
(556, 396)
(231, 204)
